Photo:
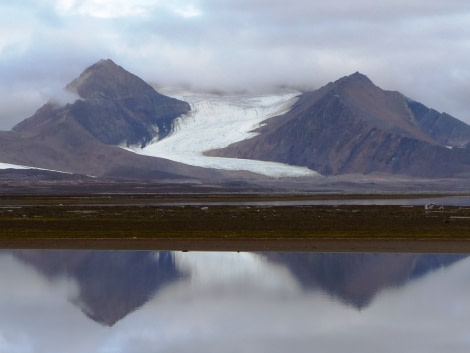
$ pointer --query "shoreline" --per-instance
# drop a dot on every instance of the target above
(354, 245)
(145, 222)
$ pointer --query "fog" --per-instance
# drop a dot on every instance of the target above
(417, 47)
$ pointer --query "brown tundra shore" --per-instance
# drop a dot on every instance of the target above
(229, 223)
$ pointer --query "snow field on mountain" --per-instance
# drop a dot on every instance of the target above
(216, 121)
(12, 166)
(16, 166)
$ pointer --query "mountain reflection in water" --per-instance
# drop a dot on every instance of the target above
(111, 283)
(160, 301)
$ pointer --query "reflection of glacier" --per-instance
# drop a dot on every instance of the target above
(216, 121)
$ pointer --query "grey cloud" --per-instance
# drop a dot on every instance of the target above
(357, 9)
(415, 46)
(30, 81)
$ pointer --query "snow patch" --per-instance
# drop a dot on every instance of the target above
(16, 166)
(216, 121)
(12, 166)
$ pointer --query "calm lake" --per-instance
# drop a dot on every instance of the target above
(160, 301)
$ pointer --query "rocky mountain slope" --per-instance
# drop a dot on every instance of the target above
(112, 107)
(353, 126)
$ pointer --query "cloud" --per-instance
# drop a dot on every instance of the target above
(415, 46)
(188, 11)
(104, 8)
(37, 314)
(109, 9)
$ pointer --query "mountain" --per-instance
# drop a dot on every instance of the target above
(353, 126)
(114, 106)
(111, 108)
(349, 126)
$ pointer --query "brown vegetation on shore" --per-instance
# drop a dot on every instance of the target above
(137, 220)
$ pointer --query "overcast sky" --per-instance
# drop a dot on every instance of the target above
(419, 47)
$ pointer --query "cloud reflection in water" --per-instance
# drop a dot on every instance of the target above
(233, 302)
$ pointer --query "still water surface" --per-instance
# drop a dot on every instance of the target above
(145, 301)
(463, 201)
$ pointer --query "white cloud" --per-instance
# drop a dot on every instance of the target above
(109, 9)
(105, 8)
(188, 11)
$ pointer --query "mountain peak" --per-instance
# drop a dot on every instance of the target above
(355, 78)
(358, 75)
(107, 79)
(106, 67)
(105, 62)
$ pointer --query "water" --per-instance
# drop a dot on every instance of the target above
(463, 201)
(144, 301)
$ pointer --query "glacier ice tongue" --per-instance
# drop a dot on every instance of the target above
(216, 121)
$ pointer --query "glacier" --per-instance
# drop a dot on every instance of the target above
(216, 121)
